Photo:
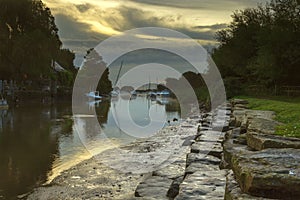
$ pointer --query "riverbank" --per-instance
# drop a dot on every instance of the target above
(287, 112)
(94, 178)
(243, 160)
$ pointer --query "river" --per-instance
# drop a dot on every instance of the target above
(38, 141)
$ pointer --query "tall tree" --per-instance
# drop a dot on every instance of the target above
(29, 38)
(262, 45)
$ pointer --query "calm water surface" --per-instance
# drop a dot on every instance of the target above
(37, 142)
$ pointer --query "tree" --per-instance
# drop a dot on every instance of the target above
(29, 39)
(262, 45)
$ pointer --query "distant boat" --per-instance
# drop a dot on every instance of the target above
(162, 101)
(3, 104)
(133, 95)
(164, 93)
(114, 93)
(152, 95)
(94, 94)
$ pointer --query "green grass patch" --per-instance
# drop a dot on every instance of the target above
(287, 111)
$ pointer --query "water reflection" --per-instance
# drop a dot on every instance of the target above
(38, 142)
(27, 149)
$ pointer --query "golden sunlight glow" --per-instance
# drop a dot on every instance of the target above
(98, 27)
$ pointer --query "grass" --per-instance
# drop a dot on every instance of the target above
(287, 111)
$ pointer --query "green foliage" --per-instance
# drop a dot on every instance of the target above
(105, 85)
(29, 40)
(262, 45)
(196, 82)
(287, 111)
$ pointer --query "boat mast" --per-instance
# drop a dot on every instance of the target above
(119, 73)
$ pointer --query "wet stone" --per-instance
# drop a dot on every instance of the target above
(211, 136)
(233, 191)
(202, 158)
(270, 173)
(210, 148)
(203, 185)
(259, 141)
(200, 167)
(154, 187)
(172, 171)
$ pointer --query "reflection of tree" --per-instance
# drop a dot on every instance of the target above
(102, 112)
(67, 126)
(173, 106)
(26, 152)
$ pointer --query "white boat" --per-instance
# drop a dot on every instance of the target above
(114, 93)
(3, 104)
(164, 93)
(94, 95)
(152, 95)
(133, 94)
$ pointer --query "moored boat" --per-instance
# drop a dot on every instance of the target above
(3, 104)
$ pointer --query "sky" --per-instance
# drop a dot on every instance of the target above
(85, 23)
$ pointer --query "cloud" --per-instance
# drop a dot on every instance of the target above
(83, 7)
(84, 23)
(212, 27)
(201, 4)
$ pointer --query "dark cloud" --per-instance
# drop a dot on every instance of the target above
(133, 18)
(212, 27)
(83, 7)
(77, 36)
(201, 4)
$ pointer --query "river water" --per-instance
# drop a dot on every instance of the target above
(37, 141)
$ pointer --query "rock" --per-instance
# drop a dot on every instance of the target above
(239, 101)
(200, 167)
(174, 188)
(231, 148)
(154, 187)
(233, 191)
(241, 139)
(259, 141)
(238, 116)
(202, 158)
(270, 173)
(261, 125)
(172, 171)
(211, 136)
(240, 106)
(203, 185)
(220, 127)
(250, 114)
(210, 148)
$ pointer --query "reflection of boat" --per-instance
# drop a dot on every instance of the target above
(94, 103)
(3, 104)
(133, 95)
(152, 95)
(94, 95)
(162, 101)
